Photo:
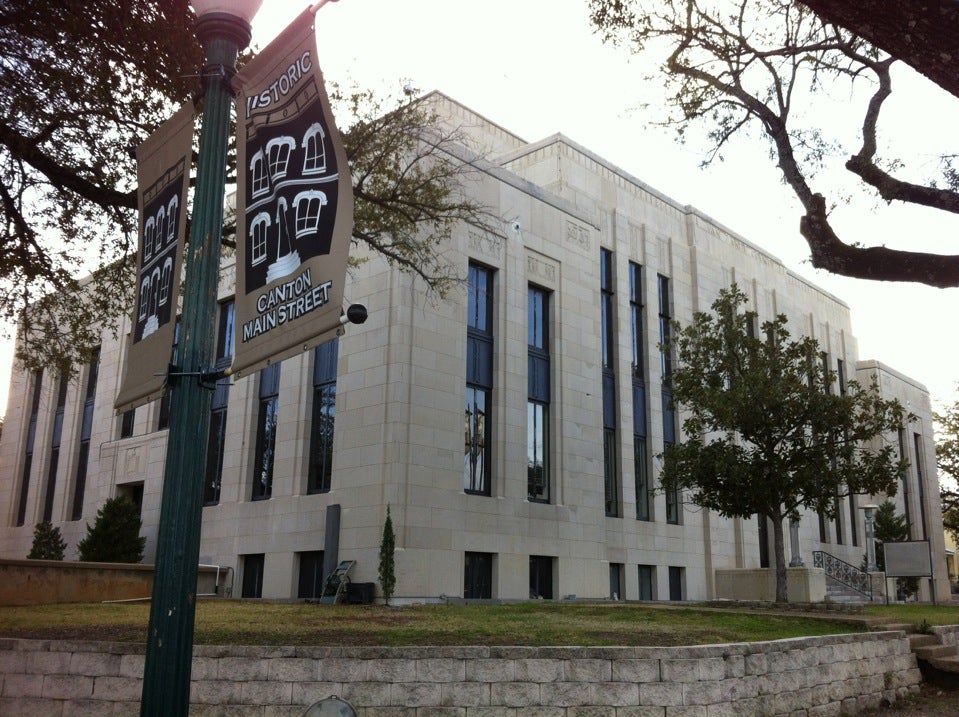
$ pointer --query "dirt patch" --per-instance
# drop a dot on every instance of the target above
(931, 701)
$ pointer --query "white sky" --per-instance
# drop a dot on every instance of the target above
(535, 68)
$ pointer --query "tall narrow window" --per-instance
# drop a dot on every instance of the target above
(541, 577)
(216, 438)
(920, 483)
(86, 428)
(906, 496)
(310, 582)
(647, 582)
(28, 452)
(763, 525)
(163, 417)
(677, 583)
(538, 396)
(55, 449)
(479, 382)
(127, 421)
(608, 329)
(666, 374)
(324, 412)
(266, 432)
(478, 576)
(252, 586)
(616, 581)
(638, 341)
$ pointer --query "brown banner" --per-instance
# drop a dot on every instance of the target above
(163, 177)
(294, 204)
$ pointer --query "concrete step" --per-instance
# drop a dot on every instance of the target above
(889, 626)
(929, 652)
(916, 640)
(946, 663)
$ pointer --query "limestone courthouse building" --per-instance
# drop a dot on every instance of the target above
(542, 483)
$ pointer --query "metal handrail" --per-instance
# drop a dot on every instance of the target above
(843, 572)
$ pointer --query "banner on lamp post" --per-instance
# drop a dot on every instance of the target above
(294, 204)
(163, 177)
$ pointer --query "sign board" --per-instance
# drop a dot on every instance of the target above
(908, 559)
(294, 204)
(163, 177)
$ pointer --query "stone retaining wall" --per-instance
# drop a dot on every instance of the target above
(833, 675)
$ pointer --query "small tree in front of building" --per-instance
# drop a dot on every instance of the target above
(765, 432)
(387, 571)
(114, 536)
(48, 543)
(892, 527)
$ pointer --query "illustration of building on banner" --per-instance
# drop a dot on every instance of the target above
(290, 182)
(159, 246)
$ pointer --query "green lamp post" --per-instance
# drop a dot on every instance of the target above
(224, 28)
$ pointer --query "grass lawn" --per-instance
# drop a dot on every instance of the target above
(252, 623)
(537, 623)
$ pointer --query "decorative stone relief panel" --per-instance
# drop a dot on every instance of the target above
(542, 270)
(578, 235)
(489, 245)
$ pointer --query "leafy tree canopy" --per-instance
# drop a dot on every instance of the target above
(732, 65)
(83, 84)
(766, 431)
(947, 460)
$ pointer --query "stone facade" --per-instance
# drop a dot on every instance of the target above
(399, 411)
(817, 676)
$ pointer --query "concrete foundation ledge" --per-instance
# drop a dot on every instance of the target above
(803, 585)
(797, 677)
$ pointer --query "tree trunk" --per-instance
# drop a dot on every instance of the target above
(779, 547)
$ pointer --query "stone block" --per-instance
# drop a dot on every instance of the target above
(133, 666)
(757, 664)
(514, 694)
(94, 664)
(679, 670)
(215, 692)
(306, 693)
(635, 670)
(22, 686)
(467, 694)
(343, 669)
(491, 670)
(292, 669)
(687, 711)
(536, 670)
(641, 711)
(243, 668)
(394, 670)
(415, 694)
(65, 687)
(440, 670)
(660, 694)
(491, 712)
(366, 693)
(588, 670)
(617, 694)
(117, 688)
(266, 692)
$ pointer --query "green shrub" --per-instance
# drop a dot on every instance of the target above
(387, 561)
(48, 544)
(114, 536)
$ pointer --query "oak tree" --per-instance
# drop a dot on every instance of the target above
(732, 65)
(83, 83)
(766, 432)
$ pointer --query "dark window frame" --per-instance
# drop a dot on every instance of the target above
(538, 478)
(266, 429)
(477, 468)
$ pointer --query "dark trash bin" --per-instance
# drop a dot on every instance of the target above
(360, 593)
